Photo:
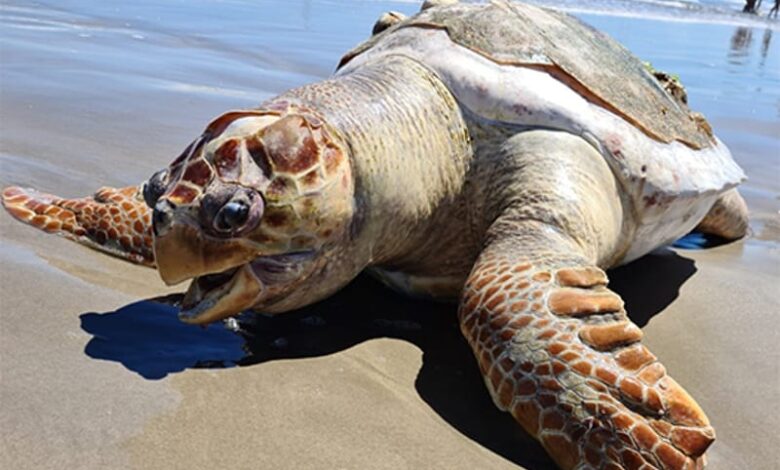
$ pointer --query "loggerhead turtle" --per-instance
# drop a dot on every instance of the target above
(500, 154)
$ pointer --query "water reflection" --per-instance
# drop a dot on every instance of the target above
(740, 45)
(741, 42)
(765, 41)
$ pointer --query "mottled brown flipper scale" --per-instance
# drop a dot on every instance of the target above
(559, 353)
(113, 221)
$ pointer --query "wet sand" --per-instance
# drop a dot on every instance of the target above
(91, 377)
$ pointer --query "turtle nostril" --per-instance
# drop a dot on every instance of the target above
(232, 216)
(161, 217)
(154, 188)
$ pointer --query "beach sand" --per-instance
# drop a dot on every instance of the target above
(91, 376)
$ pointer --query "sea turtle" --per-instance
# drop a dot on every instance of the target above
(501, 154)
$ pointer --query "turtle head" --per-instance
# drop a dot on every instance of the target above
(252, 212)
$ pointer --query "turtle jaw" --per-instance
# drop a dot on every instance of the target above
(183, 253)
(214, 297)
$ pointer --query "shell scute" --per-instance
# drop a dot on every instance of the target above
(584, 59)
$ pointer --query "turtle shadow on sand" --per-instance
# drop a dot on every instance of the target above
(147, 338)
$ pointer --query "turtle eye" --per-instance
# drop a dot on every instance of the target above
(232, 216)
(230, 211)
(154, 188)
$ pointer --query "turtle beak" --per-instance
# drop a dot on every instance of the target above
(223, 282)
(182, 252)
(217, 296)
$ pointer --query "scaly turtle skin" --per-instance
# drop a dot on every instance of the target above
(501, 154)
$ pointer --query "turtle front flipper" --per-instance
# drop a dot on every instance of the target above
(555, 345)
(559, 353)
(113, 221)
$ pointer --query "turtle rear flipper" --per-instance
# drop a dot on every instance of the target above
(728, 217)
(113, 221)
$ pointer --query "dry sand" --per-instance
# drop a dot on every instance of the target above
(366, 380)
